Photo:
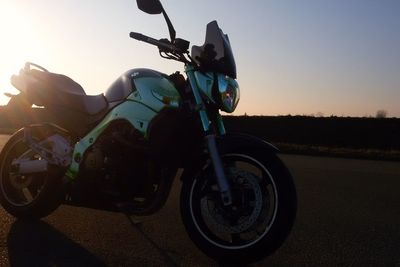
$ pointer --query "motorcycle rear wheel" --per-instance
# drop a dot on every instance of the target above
(31, 196)
(258, 221)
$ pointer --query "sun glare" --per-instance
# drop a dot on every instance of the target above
(17, 44)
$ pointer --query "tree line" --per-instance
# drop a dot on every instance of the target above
(346, 132)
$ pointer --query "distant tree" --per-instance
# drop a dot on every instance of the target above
(381, 114)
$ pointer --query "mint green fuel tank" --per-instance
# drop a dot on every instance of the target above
(146, 86)
(139, 95)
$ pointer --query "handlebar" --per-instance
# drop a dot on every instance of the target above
(160, 44)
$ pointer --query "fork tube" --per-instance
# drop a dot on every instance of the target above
(199, 102)
(223, 184)
(220, 125)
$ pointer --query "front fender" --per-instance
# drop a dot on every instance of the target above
(235, 141)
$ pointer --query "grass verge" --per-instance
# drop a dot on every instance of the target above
(373, 154)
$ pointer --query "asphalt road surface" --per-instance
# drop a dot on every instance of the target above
(348, 215)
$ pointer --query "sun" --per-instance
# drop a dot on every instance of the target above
(16, 44)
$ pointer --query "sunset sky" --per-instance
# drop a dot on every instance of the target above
(337, 57)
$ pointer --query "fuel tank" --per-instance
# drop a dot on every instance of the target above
(139, 97)
(148, 87)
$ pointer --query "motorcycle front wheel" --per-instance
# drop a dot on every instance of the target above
(257, 222)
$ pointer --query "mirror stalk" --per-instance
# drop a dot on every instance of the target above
(171, 29)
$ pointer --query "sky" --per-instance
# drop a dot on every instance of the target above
(293, 57)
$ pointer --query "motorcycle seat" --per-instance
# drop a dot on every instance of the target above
(52, 89)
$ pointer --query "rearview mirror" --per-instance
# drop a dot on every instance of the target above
(150, 6)
(155, 7)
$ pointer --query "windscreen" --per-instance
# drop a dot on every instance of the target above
(216, 53)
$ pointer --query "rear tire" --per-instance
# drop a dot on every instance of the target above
(258, 221)
(32, 196)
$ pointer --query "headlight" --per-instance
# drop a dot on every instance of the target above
(229, 93)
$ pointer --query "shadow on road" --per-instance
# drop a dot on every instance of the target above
(39, 244)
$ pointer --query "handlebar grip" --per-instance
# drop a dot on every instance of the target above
(161, 44)
(137, 36)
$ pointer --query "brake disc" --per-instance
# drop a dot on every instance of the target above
(215, 217)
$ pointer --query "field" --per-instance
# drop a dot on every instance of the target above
(334, 136)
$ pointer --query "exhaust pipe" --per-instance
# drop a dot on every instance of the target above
(31, 166)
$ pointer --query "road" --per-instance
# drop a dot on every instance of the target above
(348, 215)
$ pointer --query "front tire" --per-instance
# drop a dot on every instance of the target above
(262, 213)
(31, 196)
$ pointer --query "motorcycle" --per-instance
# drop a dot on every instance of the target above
(120, 151)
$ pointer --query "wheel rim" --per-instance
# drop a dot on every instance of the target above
(254, 207)
(20, 190)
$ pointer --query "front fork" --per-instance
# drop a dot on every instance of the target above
(210, 139)
(223, 184)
